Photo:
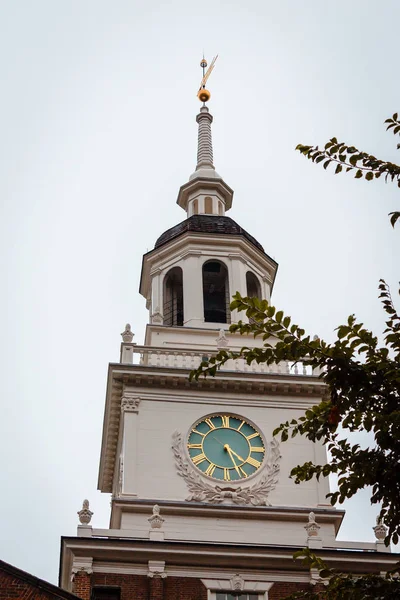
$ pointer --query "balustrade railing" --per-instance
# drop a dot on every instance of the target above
(183, 358)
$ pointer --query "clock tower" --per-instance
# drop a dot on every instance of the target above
(202, 506)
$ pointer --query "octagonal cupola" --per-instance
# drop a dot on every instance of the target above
(195, 268)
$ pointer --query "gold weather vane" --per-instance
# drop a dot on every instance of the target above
(203, 94)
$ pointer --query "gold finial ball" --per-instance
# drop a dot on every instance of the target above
(203, 63)
(203, 95)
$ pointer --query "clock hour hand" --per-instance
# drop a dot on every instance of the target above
(237, 455)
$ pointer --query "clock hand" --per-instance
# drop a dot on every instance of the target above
(237, 455)
(217, 440)
(227, 448)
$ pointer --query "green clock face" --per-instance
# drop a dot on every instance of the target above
(226, 447)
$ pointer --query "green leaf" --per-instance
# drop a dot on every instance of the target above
(343, 331)
(369, 176)
(286, 322)
(338, 169)
(358, 174)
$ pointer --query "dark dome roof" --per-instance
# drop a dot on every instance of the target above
(206, 224)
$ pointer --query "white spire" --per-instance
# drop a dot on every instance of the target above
(205, 166)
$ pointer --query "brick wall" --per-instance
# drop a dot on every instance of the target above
(82, 585)
(19, 585)
(133, 587)
(141, 587)
(180, 588)
(281, 589)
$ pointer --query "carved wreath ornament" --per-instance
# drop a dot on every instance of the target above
(201, 491)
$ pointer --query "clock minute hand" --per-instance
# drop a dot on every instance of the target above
(227, 448)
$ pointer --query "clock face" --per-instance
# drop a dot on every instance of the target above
(226, 447)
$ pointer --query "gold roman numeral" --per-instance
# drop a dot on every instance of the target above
(253, 435)
(199, 432)
(210, 423)
(210, 470)
(257, 449)
(199, 458)
(194, 446)
(241, 425)
(227, 475)
(253, 462)
(225, 421)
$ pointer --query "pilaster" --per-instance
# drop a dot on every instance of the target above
(156, 574)
(82, 570)
(193, 291)
(129, 413)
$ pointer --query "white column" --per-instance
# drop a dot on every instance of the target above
(266, 289)
(156, 297)
(237, 283)
(193, 311)
(129, 408)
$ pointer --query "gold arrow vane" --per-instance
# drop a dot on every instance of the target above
(203, 94)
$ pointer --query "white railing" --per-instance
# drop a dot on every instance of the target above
(183, 358)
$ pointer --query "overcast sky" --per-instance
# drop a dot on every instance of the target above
(98, 132)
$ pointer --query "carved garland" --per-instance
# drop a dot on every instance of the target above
(201, 491)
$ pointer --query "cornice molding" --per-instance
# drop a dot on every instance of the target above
(208, 245)
(210, 574)
(224, 559)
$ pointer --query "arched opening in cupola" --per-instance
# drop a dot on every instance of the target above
(253, 286)
(208, 205)
(173, 297)
(216, 292)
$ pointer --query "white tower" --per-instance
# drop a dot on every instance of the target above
(202, 503)
(158, 440)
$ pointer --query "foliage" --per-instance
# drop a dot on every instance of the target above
(363, 392)
(344, 586)
(349, 157)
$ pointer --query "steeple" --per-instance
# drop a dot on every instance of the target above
(205, 192)
(205, 166)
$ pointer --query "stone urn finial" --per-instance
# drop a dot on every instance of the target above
(127, 335)
(312, 526)
(156, 520)
(221, 340)
(380, 529)
(85, 515)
